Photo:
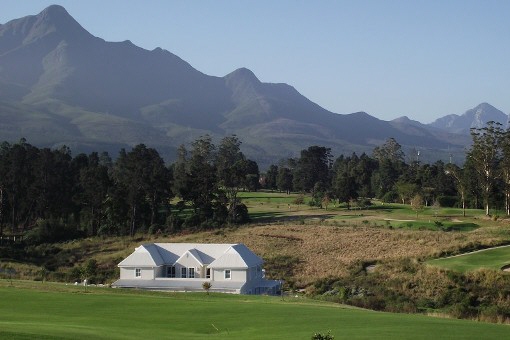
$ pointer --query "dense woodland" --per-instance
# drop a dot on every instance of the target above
(52, 196)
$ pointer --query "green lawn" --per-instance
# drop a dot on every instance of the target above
(490, 258)
(68, 312)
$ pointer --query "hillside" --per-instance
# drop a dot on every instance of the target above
(61, 85)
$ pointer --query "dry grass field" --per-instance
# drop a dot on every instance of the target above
(327, 251)
(321, 243)
(322, 250)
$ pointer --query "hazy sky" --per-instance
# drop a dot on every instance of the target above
(390, 58)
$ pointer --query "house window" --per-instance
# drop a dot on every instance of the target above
(191, 273)
(184, 271)
(170, 271)
(227, 274)
(138, 272)
(208, 273)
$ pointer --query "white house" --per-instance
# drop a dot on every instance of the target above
(230, 268)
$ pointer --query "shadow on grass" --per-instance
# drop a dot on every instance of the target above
(386, 208)
(282, 217)
(445, 227)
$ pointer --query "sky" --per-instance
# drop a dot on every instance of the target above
(389, 58)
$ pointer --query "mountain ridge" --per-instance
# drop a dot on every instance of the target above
(476, 117)
(87, 91)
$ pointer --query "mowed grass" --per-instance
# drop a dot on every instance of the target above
(73, 313)
(266, 206)
(494, 258)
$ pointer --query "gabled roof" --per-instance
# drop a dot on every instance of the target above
(207, 252)
(212, 255)
(237, 256)
(194, 253)
(144, 256)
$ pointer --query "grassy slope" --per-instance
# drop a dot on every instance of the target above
(62, 312)
(491, 258)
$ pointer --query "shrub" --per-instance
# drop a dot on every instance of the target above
(154, 229)
(74, 275)
(241, 214)
(206, 286)
(448, 201)
(325, 336)
(50, 231)
(390, 197)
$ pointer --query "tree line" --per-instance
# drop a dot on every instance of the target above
(53, 196)
(482, 182)
(56, 196)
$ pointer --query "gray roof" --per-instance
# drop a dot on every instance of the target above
(144, 256)
(212, 255)
(237, 256)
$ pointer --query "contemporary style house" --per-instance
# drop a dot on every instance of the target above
(230, 268)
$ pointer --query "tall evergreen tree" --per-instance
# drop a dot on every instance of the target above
(505, 168)
(313, 166)
(284, 179)
(94, 184)
(202, 178)
(271, 175)
(143, 177)
(231, 171)
(485, 154)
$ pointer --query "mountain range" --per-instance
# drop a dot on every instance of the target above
(61, 85)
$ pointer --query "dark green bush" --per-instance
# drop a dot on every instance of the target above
(390, 197)
(448, 201)
(241, 214)
(51, 231)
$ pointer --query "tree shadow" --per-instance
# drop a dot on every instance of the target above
(283, 217)
(385, 208)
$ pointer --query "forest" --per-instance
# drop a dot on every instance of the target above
(49, 196)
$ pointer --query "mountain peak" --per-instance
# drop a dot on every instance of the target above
(54, 11)
(243, 83)
(403, 119)
(242, 74)
(484, 106)
(54, 20)
(476, 117)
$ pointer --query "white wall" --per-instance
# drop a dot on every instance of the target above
(188, 261)
(238, 275)
(129, 273)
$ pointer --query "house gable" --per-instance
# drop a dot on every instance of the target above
(237, 256)
(143, 256)
(190, 258)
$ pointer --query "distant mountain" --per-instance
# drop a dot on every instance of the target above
(61, 85)
(474, 118)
